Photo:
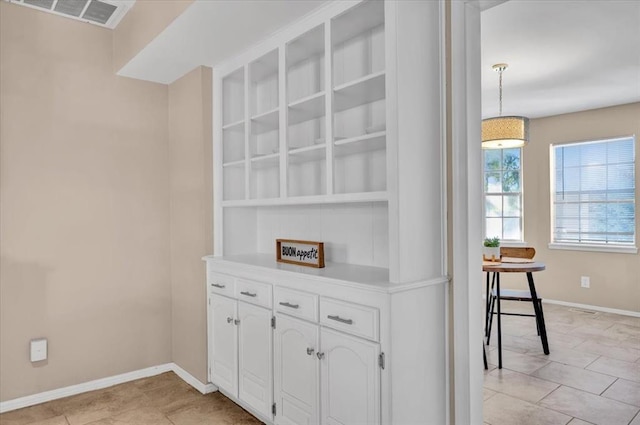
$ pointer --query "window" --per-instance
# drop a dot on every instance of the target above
(503, 193)
(593, 192)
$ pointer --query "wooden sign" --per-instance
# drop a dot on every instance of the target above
(302, 253)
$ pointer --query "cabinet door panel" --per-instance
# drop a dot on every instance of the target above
(224, 343)
(255, 374)
(296, 372)
(350, 380)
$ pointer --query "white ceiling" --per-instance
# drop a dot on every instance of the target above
(563, 56)
(210, 31)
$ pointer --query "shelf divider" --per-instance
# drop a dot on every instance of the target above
(359, 92)
(307, 108)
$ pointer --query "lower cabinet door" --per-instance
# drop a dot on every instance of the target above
(223, 343)
(296, 372)
(255, 384)
(349, 380)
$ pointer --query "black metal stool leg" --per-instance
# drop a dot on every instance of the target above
(499, 322)
(493, 303)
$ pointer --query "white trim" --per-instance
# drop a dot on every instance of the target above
(619, 249)
(467, 192)
(594, 307)
(97, 384)
(192, 380)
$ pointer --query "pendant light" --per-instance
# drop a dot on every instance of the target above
(504, 132)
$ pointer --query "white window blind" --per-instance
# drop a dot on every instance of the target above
(594, 192)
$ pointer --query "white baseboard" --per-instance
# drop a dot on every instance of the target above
(110, 381)
(193, 381)
(594, 308)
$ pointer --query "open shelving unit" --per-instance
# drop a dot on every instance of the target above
(264, 134)
(304, 120)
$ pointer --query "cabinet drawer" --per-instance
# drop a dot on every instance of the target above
(355, 319)
(296, 303)
(254, 292)
(221, 284)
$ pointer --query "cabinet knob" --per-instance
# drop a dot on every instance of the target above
(236, 322)
(320, 355)
(229, 320)
(310, 351)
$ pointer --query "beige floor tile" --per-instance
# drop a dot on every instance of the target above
(589, 407)
(557, 339)
(518, 362)
(617, 318)
(627, 331)
(56, 420)
(518, 385)
(158, 381)
(599, 335)
(560, 327)
(632, 342)
(517, 343)
(172, 398)
(570, 356)
(576, 421)
(624, 391)
(142, 416)
(487, 393)
(90, 407)
(504, 410)
(31, 414)
(575, 377)
(613, 367)
(618, 353)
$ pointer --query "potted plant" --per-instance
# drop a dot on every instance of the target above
(491, 250)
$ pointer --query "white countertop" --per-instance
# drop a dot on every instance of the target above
(372, 277)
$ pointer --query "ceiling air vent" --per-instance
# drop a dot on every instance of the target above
(105, 13)
(99, 11)
(70, 7)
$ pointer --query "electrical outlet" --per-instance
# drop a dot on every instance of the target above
(38, 349)
(585, 282)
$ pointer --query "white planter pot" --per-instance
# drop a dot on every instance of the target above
(491, 253)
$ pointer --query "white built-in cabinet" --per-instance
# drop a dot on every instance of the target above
(316, 365)
(296, 371)
(240, 335)
(332, 130)
(223, 343)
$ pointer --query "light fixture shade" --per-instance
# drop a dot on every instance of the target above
(505, 132)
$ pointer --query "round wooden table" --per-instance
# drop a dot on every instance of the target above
(529, 269)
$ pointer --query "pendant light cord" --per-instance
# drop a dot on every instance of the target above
(500, 72)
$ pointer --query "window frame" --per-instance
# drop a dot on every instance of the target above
(612, 247)
(504, 242)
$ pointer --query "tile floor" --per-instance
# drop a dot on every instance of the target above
(591, 376)
(160, 400)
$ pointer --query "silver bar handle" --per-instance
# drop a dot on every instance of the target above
(340, 319)
(217, 286)
(310, 351)
(288, 304)
(248, 294)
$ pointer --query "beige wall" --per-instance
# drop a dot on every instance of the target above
(190, 102)
(84, 186)
(615, 278)
(145, 20)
